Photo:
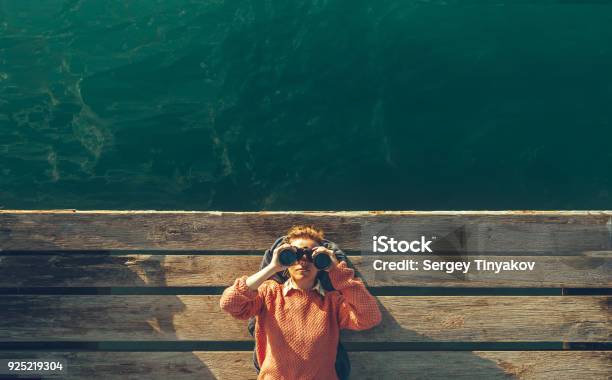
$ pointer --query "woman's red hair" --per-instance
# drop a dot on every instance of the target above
(305, 231)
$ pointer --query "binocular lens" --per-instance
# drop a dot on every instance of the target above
(287, 257)
(322, 261)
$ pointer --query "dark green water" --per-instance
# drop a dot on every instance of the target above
(249, 105)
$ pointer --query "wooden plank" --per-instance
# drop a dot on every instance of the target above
(405, 319)
(461, 232)
(553, 365)
(587, 271)
(481, 365)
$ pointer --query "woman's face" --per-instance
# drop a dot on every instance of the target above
(303, 269)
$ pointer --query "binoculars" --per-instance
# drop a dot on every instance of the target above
(289, 256)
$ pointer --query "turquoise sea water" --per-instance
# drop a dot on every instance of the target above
(250, 105)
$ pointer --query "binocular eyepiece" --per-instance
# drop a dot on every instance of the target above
(289, 256)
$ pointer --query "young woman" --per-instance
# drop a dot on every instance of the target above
(298, 322)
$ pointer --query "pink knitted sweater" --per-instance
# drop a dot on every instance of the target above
(297, 333)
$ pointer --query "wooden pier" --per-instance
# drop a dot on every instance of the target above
(135, 294)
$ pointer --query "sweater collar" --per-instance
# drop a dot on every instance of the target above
(289, 284)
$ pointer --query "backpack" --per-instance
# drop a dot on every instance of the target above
(343, 364)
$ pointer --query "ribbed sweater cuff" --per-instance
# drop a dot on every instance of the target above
(242, 288)
(341, 276)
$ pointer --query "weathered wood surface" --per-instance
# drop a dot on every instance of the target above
(503, 365)
(405, 319)
(460, 232)
(98, 270)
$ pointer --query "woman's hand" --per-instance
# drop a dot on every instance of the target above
(330, 253)
(255, 280)
(275, 262)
